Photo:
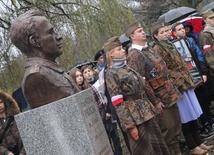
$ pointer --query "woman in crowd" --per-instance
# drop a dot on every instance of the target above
(10, 141)
(129, 94)
(77, 76)
(188, 106)
(111, 128)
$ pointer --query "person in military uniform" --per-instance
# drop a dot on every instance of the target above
(206, 39)
(44, 80)
(131, 97)
(188, 105)
(206, 43)
(152, 67)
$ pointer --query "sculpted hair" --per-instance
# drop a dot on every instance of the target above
(22, 28)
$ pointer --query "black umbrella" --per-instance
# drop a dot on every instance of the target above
(124, 40)
(207, 7)
(79, 65)
(176, 14)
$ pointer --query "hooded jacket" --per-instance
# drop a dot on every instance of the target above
(10, 139)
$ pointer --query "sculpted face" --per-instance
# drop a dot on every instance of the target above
(49, 41)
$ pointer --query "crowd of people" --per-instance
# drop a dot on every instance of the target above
(143, 88)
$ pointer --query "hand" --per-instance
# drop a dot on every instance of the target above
(108, 116)
(134, 133)
(204, 78)
(10, 153)
(159, 107)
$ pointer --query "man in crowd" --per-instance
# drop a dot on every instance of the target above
(151, 66)
(200, 91)
(44, 80)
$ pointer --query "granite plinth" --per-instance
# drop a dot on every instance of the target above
(70, 126)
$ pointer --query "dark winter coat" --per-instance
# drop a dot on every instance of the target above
(11, 140)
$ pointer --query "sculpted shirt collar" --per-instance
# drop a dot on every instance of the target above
(139, 47)
(43, 62)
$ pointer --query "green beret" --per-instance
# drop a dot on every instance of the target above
(111, 44)
(131, 28)
(156, 25)
(207, 14)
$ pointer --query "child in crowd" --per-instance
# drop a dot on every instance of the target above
(88, 74)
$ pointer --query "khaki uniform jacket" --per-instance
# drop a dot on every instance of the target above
(178, 70)
(136, 107)
(159, 80)
(11, 138)
(206, 43)
(45, 81)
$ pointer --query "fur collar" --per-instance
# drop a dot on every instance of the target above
(11, 106)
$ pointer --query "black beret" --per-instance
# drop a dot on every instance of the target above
(98, 54)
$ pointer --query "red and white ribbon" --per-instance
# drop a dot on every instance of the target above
(117, 100)
(207, 48)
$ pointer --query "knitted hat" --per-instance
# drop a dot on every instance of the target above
(188, 24)
(111, 44)
(156, 25)
(208, 14)
(131, 28)
(98, 54)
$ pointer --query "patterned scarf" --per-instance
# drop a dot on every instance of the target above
(168, 45)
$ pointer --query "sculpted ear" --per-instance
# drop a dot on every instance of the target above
(34, 41)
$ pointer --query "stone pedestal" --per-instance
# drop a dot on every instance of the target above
(70, 126)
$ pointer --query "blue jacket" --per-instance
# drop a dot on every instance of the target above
(197, 55)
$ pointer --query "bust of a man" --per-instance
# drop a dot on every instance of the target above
(44, 80)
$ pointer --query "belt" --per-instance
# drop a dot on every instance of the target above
(133, 97)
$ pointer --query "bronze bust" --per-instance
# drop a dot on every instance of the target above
(44, 80)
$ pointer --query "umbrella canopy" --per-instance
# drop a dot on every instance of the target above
(196, 22)
(80, 64)
(207, 7)
(124, 40)
(176, 14)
